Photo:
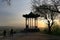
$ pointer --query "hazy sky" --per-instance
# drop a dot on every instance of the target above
(12, 15)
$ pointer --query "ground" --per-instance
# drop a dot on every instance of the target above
(30, 36)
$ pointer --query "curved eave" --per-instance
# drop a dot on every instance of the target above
(31, 16)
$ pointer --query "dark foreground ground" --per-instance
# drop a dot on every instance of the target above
(30, 36)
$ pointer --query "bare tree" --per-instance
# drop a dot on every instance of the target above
(46, 9)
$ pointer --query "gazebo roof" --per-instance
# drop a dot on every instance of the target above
(31, 15)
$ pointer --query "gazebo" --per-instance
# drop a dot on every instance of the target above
(29, 18)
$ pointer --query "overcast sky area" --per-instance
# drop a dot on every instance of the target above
(12, 15)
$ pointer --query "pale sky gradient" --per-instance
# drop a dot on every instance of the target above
(12, 15)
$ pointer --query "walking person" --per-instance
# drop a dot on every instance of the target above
(11, 32)
(4, 33)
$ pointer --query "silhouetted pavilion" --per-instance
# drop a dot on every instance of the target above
(29, 20)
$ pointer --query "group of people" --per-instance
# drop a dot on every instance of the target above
(11, 32)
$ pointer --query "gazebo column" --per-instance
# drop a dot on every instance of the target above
(26, 23)
(32, 22)
(35, 22)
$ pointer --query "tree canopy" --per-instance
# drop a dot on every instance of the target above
(48, 9)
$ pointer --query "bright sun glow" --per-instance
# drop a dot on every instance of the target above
(42, 24)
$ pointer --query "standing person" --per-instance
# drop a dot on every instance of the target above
(4, 33)
(11, 32)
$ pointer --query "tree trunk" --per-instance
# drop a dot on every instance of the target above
(49, 27)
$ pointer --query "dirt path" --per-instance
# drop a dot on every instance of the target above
(31, 36)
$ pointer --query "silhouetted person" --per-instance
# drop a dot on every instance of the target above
(27, 27)
(11, 32)
(4, 33)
